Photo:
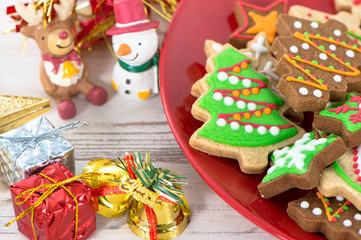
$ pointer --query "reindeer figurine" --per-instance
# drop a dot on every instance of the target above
(63, 73)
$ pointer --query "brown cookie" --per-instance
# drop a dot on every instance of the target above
(350, 20)
(243, 117)
(253, 19)
(343, 119)
(300, 165)
(336, 218)
(317, 62)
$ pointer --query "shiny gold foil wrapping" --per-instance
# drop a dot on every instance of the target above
(112, 206)
(16, 111)
(172, 220)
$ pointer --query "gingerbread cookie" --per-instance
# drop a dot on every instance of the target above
(300, 165)
(336, 217)
(350, 20)
(253, 19)
(243, 117)
(343, 177)
(318, 62)
(343, 119)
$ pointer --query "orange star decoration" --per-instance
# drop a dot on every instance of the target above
(253, 19)
(265, 24)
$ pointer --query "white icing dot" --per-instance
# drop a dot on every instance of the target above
(314, 24)
(350, 53)
(337, 33)
(323, 56)
(228, 101)
(359, 232)
(217, 47)
(332, 47)
(304, 205)
(317, 211)
(222, 76)
(337, 78)
(233, 80)
(252, 106)
(347, 223)
(248, 128)
(246, 82)
(234, 125)
(357, 217)
(274, 130)
(303, 91)
(262, 130)
(317, 93)
(217, 96)
(305, 46)
(340, 199)
(221, 122)
(297, 24)
(294, 49)
(241, 104)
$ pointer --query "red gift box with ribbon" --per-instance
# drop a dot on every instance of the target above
(52, 205)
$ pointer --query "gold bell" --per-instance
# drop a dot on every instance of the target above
(172, 220)
(112, 206)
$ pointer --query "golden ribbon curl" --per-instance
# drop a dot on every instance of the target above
(50, 188)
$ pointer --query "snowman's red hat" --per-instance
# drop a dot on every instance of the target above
(130, 17)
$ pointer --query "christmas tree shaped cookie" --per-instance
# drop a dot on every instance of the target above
(243, 117)
(300, 165)
(336, 217)
(343, 177)
(318, 62)
(343, 119)
(350, 20)
(258, 49)
(16, 110)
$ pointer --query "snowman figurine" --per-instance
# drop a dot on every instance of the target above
(135, 44)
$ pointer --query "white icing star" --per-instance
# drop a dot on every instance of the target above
(258, 47)
(269, 71)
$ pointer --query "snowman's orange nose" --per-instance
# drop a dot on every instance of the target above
(124, 50)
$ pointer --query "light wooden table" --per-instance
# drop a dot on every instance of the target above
(113, 129)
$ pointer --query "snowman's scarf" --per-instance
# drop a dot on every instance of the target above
(141, 68)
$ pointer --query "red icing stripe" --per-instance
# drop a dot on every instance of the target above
(260, 9)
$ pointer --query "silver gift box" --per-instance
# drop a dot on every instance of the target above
(31, 147)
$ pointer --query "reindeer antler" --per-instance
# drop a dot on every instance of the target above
(29, 13)
(64, 8)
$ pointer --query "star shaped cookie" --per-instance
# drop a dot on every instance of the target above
(253, 19)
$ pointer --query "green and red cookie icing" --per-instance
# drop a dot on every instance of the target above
(349, 112)
(244, 111)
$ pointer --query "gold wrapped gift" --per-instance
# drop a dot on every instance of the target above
(16, 111)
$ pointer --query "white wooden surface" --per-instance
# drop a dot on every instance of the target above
(112, 129)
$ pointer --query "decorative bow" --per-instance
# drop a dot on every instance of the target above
(72, 56)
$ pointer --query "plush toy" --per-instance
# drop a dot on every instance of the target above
(135, 44)
(63, 73)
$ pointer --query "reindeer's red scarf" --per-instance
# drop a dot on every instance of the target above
(72, 56)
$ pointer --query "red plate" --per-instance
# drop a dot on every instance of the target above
(181, 64)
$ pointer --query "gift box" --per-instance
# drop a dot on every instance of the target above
(63, 213)
(30, 148)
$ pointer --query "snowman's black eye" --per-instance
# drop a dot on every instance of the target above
(139, 44)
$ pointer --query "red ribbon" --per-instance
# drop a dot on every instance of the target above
(73, 56)
(152, 220)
